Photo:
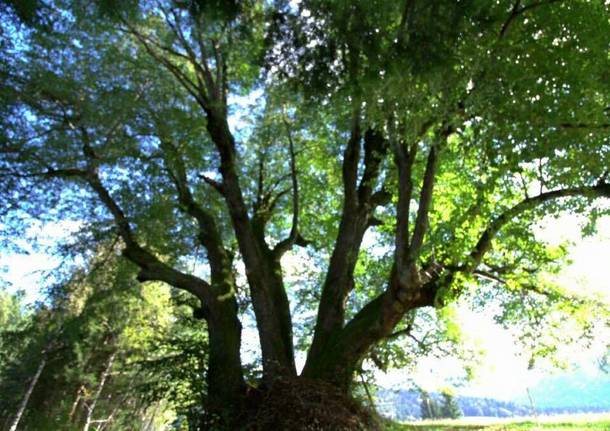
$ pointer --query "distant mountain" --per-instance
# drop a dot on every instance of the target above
(577, 391)
(564, 393)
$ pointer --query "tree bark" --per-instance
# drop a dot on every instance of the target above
(98, 392)
(28, 393)
(263, 271)
(358, 207)
(79, 394)
(269, 298)
(226, 386)
(338, 282)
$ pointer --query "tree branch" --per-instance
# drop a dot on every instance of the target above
(260, 184)
(201, 66)
(584, 126)
(404, 158)
(400, 333)
(216, 185)
(151, 268)
(425, 202)
(484, 244)
(285, 244)
(351, 157)
(375, 148)
(404, 161)
(405, 17)
(196, 90)
(518, 10)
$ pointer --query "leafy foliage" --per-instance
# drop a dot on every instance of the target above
(97, 320)
(371, 162)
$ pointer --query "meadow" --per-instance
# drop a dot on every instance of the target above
(585, 422)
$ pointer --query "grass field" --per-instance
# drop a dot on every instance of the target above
(585, 422)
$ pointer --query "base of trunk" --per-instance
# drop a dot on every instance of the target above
(301, 404)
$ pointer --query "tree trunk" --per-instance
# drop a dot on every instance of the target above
(72, 417)
(269, 299)
(357, 216)
(31, 387)
(345, 350)
(338, 283)
(225, 382)
(338, 361)
(98, 392)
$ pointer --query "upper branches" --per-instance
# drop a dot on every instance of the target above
(518, 10)
(293, 236)
(359, 202)
(378, 318)
(74, 122)
(407, 248)
(351, 158)
(189, 52)
(208, 229)
(485, 241)
(151, 267)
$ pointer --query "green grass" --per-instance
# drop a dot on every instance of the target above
(584, 422)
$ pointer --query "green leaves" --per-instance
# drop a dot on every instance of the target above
(513, 97)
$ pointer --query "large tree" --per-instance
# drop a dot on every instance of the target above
(213, 139)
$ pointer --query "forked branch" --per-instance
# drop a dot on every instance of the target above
(287, 243)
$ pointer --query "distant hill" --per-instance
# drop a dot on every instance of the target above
(577, 391)
(405, 405)
(564, 393)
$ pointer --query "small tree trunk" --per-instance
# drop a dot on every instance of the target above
(151, 421)
(31, 387)
(532, 405)
(98, 392)
(110, 417)
(79, 395)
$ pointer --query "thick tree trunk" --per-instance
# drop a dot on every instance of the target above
(269, 299)
(337, 362)
(225, 382)
(338, 283)
(345, 350)
(357, 216)
(219, 306)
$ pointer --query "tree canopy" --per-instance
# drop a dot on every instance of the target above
(111, 354)
(339, 172)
